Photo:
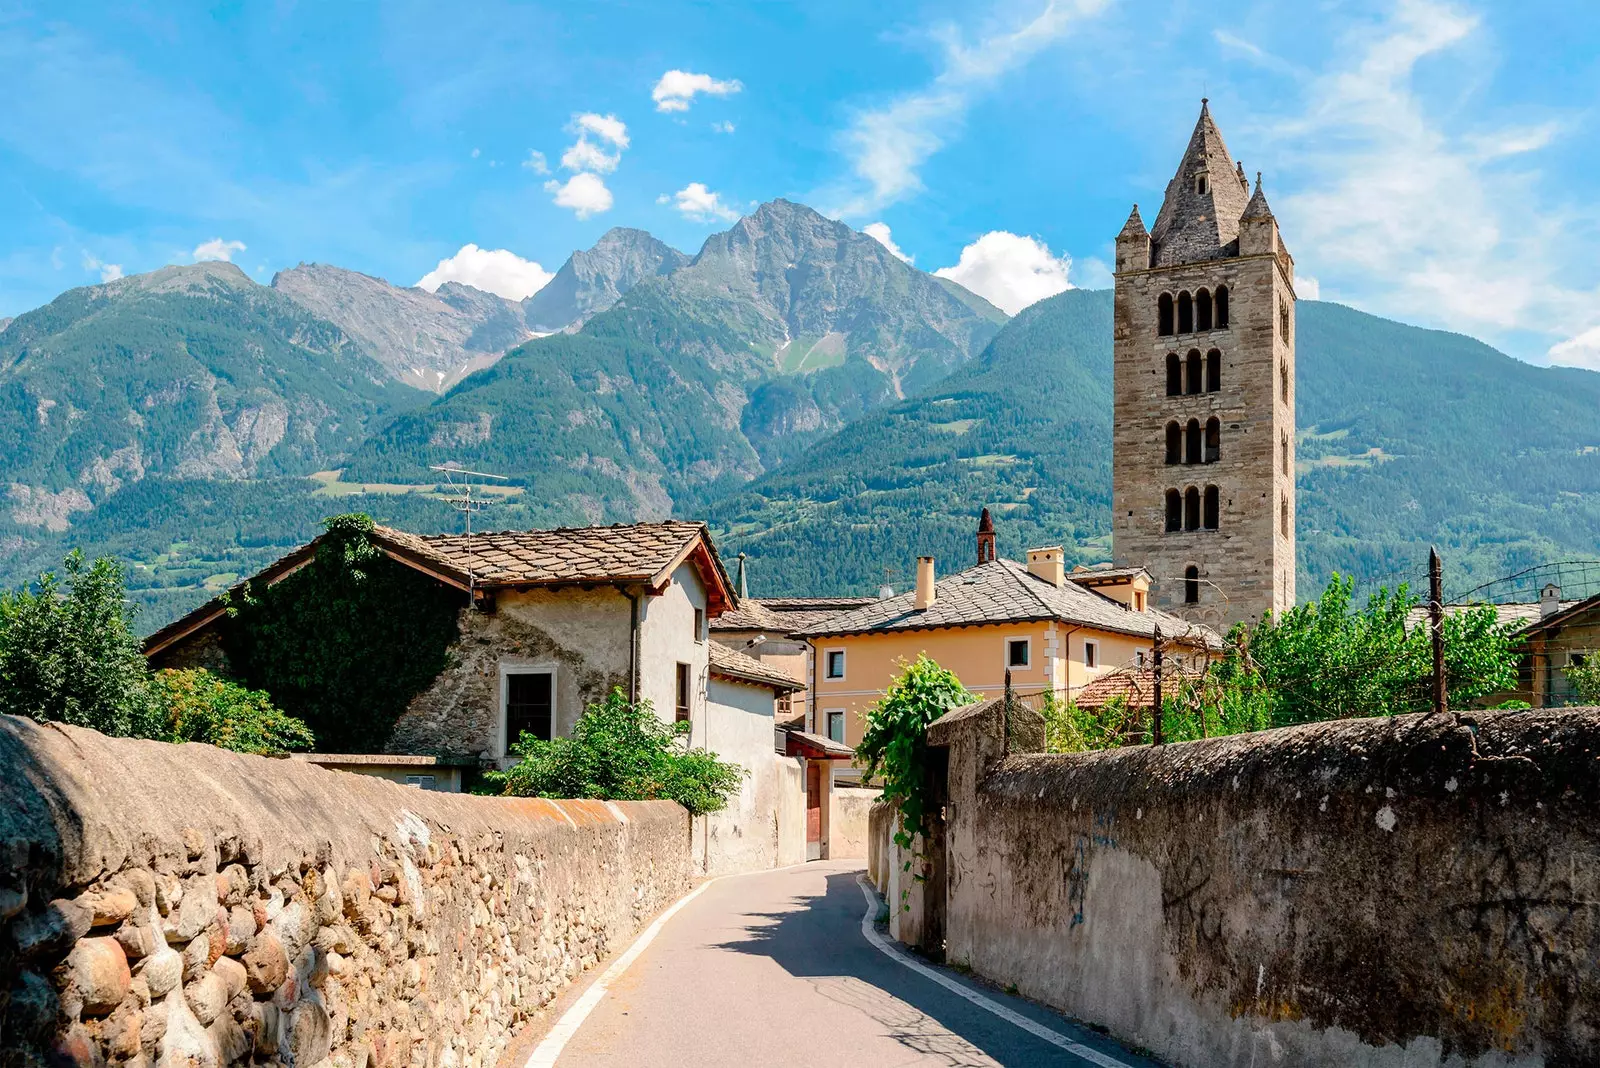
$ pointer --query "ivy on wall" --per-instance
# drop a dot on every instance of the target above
(347, 641)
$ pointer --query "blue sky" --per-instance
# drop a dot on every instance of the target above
(1432, 161)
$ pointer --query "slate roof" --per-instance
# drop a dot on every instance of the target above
(1003, 591)
(624, 552)
(785, 615)
(732, 664)
(1523, 613)
(1194, 226)
(1101, 574)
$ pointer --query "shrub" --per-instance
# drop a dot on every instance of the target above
(1585, 678)
(1071, 729)
(894, 746)
(621, 751)
(201, 707)
(69, 655)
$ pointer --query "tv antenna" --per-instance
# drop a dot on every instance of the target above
(466, 503)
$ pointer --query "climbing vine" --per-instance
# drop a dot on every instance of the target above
(894, 747)
(347, 641)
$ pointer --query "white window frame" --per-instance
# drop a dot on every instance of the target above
(1091, 651)
(827, 723)
(1027, 652)
(827, 665)
(503, 748)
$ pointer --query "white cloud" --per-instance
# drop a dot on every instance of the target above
(109, 272)
(1580, 351)
(477, 152)
(722, 127)
(585, 155)
(536, 162)
(606, 127)
(491, 270)
(880, 233)
(586, 194)
(1431, 212)
(695, 201)
(677, 89)
(888, 145)
(1010, 271)
(217, 249)
(1307, 287)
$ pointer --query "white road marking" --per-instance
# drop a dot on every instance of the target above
(869, 931)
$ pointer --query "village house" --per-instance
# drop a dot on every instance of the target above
(552, 621)
(1047, 629)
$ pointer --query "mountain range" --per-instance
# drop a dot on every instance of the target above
(831, 409)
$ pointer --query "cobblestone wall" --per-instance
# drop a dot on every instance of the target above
(180, 905)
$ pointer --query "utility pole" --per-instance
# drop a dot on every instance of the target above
(466, 504)
(1005, 742)
(1441, 699)
(1157, 735)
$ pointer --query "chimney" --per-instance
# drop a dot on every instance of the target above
(1549, 600)
(985, 538)
(926, 594)
(1049, 564)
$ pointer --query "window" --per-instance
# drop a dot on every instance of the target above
(1213, 371)
(1283, 319)
(680, 709)
(1202, 310)
(1200, 183)
(1283, 380)
(1174, 443)
(1211, 508)
(835, 662)
(1283, 516)
(1017, 652)
(836, 725)
(1213, 440)
(1140, 658)
(1191, 585)
(1219, 307)
(1191, 509)
(1174, 511)
(529, 702)
(1191, 434)
(1192, 363)
(1139, 602)
(1174, 375)
(1283, 446)
(785, 704)
(699, 624)
(1185, 313)
(1091, 653)
(1164, 315)
(421, 782)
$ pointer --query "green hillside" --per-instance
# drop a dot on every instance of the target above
(1408, 436)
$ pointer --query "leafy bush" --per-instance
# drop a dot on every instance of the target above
(202, 707)
(894, 746)
(621, 751)
(1585, 679)
(1071, 729)
(70, 655)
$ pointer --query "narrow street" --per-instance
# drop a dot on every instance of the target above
(775, 969)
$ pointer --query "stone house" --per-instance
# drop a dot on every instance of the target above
(1564, 636)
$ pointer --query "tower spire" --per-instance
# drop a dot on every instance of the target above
(1199, 217)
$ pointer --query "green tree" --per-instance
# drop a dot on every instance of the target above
(620, 750)
(68, 653)
(1585, 678)
(894, 746)
(1071, 729)
(201, 707)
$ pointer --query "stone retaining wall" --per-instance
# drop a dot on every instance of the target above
(170, 905)
(1394, 892)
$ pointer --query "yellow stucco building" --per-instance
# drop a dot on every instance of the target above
(1054, 630)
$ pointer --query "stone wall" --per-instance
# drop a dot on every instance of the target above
(182, 905)
(1405, 891)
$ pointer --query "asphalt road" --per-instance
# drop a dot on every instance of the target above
(774, 969)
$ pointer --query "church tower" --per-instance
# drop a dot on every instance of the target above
(1203, 441)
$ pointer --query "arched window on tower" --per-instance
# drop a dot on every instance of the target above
(1212, 508)
(1174, 511)
(1283, 380)
(1202, 310)
(1164, 315)
(1191, 509)
(1283, 447)
(1191, 451)
(1191, 585)
(1213, 440)
(1174, 375)
(1219, 300)
(1185, 313)
(1283, 515)
(1174, 443)
(1213, 371)
(1192, 367)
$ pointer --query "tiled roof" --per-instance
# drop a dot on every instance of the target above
(1522, 613)
(1003, 591)
(785, 615)
(732, 664)
(1136, 687)
(624, 552)
(750, 614)
(1100, 574)
(815, 746)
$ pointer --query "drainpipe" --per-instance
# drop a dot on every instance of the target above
(633, 642)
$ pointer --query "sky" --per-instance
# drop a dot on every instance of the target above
(1434, 161)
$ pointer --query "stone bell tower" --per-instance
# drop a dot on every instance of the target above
(1203, 441)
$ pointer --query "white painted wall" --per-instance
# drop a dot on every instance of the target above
(738, 726)
(791, 810)
(666, 638)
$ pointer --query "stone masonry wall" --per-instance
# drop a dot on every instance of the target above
(170, 905)
(1408, 891)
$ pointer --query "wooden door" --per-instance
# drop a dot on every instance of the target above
(813, 801)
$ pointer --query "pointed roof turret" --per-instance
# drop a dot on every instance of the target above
(1199, 218)
(742, 589)
(1134, 227)
(1257, 208)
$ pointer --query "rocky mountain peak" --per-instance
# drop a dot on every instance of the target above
(592, 280)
